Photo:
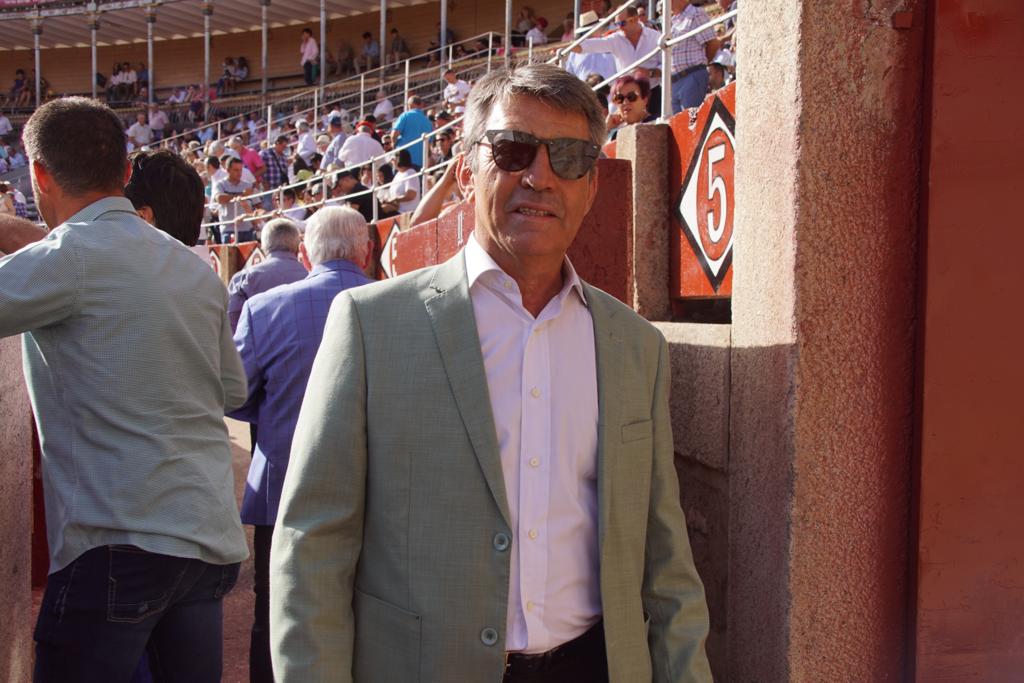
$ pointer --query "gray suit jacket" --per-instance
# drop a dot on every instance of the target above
(390, 561)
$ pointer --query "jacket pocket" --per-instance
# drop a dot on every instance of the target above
(636, 431)
(387, 644)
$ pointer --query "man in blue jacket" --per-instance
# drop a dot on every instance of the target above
(278, 334)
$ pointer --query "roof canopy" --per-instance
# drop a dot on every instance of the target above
(122, 22)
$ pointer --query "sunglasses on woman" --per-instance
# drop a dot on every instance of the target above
(513, 150)
(630, 96)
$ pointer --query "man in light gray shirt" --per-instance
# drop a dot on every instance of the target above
(130, 365)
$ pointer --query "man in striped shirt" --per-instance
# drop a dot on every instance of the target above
(690, 57)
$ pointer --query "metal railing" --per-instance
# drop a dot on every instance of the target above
(664, 47)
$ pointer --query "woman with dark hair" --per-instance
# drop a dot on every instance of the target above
(385, 174)
(630, 94)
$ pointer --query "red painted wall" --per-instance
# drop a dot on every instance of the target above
(970, 598)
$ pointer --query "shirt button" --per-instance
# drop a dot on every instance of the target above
(501, 541)
(533, 534)
(535, 392)
(508, 284)
(534, 462)
(488, 636)
(529, 606)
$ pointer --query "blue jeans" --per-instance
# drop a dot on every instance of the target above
(102, 611)
(690, 90)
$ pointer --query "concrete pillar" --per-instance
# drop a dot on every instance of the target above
(822, 341)
(150, 23)
(16, 515)
(646, 147)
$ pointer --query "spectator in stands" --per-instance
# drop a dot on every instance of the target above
(385, 174)
(178, 96)
(690, 57)
(18, 88)
(336, 111)
(142, 77)
(158, 122)
(443, 118)
(241, 70)
(383, 109)
(456, 92)
(404, 194)
(369, 53)
(348, 191)
(5, 125)
(15, 157)
(275, 163)
(167, 193)
(305, 148)
(130, 374)
(310, 52)
(361, 147)
(336, 139)
(229, 193)
(603, 8)
(278, 337)
(130, 83)
(6, 199)
(250, 158)
(443, 192)
(412, 125)
(442, 41)
(525, 21)
(716, 76)
(139, 133)
(631, 95)
(345, 62)
(441, 150)
(537, 33)
(286, 204)
(227, 76)
(583, 64)
(568, 29)
(280, 241)
(632, 41)
(398, 49)
(730, 24)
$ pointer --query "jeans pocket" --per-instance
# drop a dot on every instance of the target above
(228, 579)
(140, 584)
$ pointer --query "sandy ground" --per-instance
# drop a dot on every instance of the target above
(238, 604)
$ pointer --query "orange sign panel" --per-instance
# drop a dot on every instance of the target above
(703, 198)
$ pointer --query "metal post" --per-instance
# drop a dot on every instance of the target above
(219, 134)
(575, 16)
(508, 33)
(529, 50)
(94, 25)
(150, 20)
(362, 94)
(652, 7)
(666, 63)
(270, 124)
(490, 49)
(37, 31)
(383, 36)
(264, 7)
(426, 155)
(443, 40)
(207, 13)
(323, 43)
(405, 97)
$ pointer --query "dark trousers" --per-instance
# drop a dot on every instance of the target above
(582, 660)
(307, 72)
(260, 670)
(102, 611)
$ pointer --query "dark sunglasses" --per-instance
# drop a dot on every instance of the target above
(620, 98)
(513, 150)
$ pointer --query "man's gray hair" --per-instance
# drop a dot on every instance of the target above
(336, 232)
(280, 234)
(547, 83)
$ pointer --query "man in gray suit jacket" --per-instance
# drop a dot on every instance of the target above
(481, 484)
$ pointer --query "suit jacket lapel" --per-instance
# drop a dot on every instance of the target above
(609, 352)
(451, 314)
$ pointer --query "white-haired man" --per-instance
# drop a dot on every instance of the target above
(278, 336)
(280, 239)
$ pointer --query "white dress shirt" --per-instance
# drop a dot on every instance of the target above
(625, 54)
(360, 148)
(403, 182)
(542, 380)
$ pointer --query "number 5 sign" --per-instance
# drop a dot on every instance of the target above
(703, 207)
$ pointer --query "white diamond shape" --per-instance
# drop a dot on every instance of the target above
(388, 252)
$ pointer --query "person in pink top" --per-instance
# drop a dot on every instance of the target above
(250, 158)
(310, 52)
